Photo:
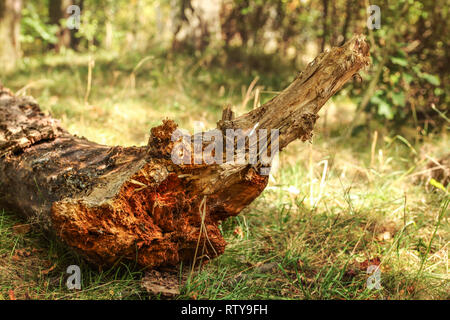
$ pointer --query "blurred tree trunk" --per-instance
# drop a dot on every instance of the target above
(10, 14)
(196, 23)
(348, 16)
(324, 24)
(109, 25)
(57, 11)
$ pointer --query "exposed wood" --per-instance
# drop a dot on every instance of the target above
(136, 203)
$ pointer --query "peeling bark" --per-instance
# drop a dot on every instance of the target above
(135, 203)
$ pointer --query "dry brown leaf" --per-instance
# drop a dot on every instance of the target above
(12, 296)
(384, 236)
(365, 264)
(164, 283)
(238, 231)
(265, 267)
(21, 229)
(23, 252)
(47, 271)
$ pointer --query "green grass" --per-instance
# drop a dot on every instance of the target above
(309, 235)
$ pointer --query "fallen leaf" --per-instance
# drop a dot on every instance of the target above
(384, 236)
(369, 262)
(266, 267)
(238, 231)
(164, 283)
(27, 295)
(21, 229)
(410, 289)
(47, 271)
(349, 274)
(23, 252)
(12, 296)
(437, 184)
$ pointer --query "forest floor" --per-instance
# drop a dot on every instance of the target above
(333, 207)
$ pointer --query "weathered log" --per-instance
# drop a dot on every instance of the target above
(135, 203)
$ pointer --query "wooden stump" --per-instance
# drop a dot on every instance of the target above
(136, 203)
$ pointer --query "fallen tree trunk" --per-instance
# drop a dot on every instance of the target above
(137, 203)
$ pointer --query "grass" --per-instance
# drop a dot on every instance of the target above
(332, 208)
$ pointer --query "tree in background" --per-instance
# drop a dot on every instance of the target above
(10, 14)
(57, 11)
(196, 23)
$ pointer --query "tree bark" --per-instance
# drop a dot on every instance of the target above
(136, 203)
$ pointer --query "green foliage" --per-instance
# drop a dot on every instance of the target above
(34, 27)
(408, 49)
(89, 29)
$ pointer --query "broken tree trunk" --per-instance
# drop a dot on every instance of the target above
(136, 203)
